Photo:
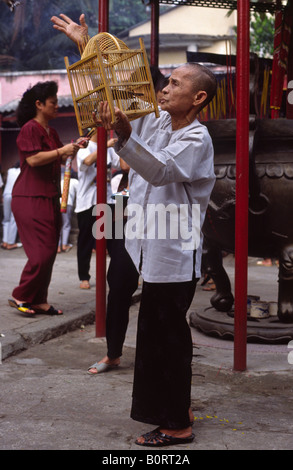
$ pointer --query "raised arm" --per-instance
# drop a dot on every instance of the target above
(78, 33)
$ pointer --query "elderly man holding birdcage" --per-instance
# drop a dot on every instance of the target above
(171, 161)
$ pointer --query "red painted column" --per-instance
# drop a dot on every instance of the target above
(101, 199)
(242, 171)
(155, 13)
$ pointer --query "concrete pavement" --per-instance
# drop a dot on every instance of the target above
(78, 306)
(21, 332)
(43, 374)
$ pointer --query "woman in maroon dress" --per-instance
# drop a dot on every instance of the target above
(36, 193)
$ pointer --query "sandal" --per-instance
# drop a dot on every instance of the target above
(51, 311)
(84, 285)
(100, 367)
(157, 438)
(209, 287)
(23, 307)
(67, 248)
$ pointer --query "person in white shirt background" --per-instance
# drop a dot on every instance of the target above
(1, 184)
(9, 236)
(64, 245)
(86, 199)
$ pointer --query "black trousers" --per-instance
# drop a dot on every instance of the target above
(85, 243)
(122, 277)
(162, 375)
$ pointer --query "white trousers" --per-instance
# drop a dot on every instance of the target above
(9, 224)
(66, 226)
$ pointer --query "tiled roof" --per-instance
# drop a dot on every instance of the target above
(10, 107)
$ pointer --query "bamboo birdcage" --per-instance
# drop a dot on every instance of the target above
(110, 71)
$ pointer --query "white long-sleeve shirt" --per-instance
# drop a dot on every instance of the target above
(167, 167)
(87, 188)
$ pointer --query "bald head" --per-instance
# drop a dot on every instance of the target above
(203, 80)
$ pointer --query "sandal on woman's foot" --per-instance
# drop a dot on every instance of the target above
(23, 307)
(157, 438)
(50, 311)
(100, 367)
(67, 248)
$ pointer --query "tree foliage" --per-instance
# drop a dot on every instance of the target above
(29, 42)
(262, 28)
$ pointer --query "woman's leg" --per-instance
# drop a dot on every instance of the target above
(38, 221)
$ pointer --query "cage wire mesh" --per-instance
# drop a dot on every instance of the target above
(110, 71)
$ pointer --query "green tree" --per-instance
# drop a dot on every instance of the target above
(262, 28)
(125, 13)
(29, 42)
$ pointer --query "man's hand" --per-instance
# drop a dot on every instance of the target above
(121, 126)
(77, 33)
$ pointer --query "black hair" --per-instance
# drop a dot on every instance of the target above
(27, 106)
(159, 80)
(161, 83)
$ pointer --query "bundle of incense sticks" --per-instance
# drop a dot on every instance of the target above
(66, 183)
(67, 173)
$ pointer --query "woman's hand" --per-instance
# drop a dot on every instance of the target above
(69, 150)
(83, 142)
(78, 33)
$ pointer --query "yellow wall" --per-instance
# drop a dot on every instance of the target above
(179, 56)
(192, 20)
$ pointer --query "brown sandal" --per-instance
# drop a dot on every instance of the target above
(51, 311)
(156, 438)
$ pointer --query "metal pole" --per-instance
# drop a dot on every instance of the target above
(155, 12)
(101, 199)
(242, 171)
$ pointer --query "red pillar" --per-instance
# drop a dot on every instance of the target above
(101, 199)
(155, 13)
(242, 171)
(289, 101)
